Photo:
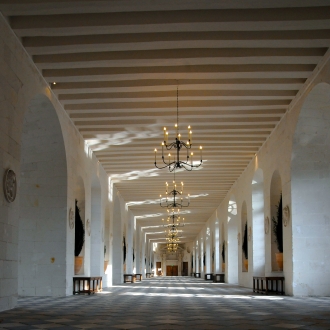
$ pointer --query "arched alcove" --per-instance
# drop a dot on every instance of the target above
(232, 245)
(80, 198)
(275, 204)
(310, 192)
(43, 203)
(97, 224)
(244, 231)
(258, 236)
(202, 256)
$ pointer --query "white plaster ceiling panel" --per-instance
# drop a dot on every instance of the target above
(238, 66)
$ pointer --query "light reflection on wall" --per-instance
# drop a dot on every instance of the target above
(146, 227)
(88, 150)
(134, 175)
(110, 189)
(232, 208)
(156, 201)
(104, 141)
(146, 202)
(145, 216)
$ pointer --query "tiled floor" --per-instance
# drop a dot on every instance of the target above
(170, 303)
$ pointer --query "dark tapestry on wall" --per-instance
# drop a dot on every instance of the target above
(79, 232)
(124, 249)
(245, 242)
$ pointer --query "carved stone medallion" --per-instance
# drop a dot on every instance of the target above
(71, 218)
(10, 185)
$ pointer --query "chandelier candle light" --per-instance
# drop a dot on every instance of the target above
(174, 161)
(176, 220)
(174, 197)
(172, 247)
(172, 235)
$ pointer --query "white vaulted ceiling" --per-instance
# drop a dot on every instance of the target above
(238, 65)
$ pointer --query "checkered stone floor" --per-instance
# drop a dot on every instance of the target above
(169, 303)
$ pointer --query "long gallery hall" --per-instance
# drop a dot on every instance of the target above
(164, 164)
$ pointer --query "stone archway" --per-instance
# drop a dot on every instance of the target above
(232, 241)
(258, 234)
(310, 192)
(246, 259)
(80, 197)
(43, 214)
(275, 197)
(97, 244)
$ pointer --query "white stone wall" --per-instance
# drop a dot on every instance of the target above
(20, 82)
(310, 173)
(301, 277)
(42, 203)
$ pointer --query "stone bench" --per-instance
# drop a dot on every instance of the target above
(219, 278)
(208, 276)
(129, 278)
(268, 284)
(138, 277)
(87, 284)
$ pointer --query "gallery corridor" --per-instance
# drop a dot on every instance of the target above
(169, 303)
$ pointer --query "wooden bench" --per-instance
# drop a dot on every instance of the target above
(268, 284)
(138, 277)
(219, 278)
(148, 275)
(197, 275)
(208, 276)
(87, 284)
(129, 278)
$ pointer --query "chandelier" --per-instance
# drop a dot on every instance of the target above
(172, 238)
(174, 162)
(172, 234)
(172, 247)
(173, 220)
(174, 197)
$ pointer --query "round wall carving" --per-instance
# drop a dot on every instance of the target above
(10, 185)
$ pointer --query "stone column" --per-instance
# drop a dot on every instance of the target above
(217, 247)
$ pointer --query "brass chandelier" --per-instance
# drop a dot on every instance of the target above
(174, 197)
(172, 247)
(173, 162)
(173, 220)
(172, 238)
